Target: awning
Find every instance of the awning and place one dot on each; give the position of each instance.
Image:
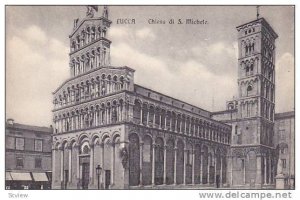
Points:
(8, 176)
(21, 176)
(40, 176)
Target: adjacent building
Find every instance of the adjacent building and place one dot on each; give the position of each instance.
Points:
(27, 156)
(284, 141)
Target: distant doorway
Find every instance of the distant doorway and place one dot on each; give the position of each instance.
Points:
(85, 175)
(107, 179)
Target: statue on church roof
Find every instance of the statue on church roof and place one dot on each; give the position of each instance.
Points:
(105, 12)
(90, 10)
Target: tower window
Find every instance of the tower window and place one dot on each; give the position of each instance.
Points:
(247, 70)
(249, 89)
(251, 69)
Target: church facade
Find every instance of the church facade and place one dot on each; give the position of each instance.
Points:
(110, 133)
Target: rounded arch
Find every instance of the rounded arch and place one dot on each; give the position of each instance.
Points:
(105, 137)
(95, 138)
(115, 135)
(82, 137)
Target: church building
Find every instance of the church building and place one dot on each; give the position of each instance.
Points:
(110, 133)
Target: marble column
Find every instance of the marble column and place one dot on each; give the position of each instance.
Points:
(265, 168)
(193, 166)
(112, 164)
(165, 165)
(175, 164)
(141, 163)
(91, 164)
(184, 166)
(201, 167)
(153, 164)
(70, 163)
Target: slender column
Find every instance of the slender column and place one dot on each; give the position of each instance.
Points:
(118, 113)
(215, 165)
(175, 124)
(184, 166)
(91, 163)
(185, 126)
(141, 162)
(61, 164)
(171, 123)
(180, 126)
(70, 164)
(153, 164)
(153, 125)
(208, 170)
(141, 116)
(165, 121)
(77, 162)
(175, 162)
(244, 171)
(270, 171)
(96, 118)
(231, 169)
(112, 164)
(148, 117)
(193, 166)
(201, 167)
(221, 172)
(54, 151)
(62, 125)
(265, 168)
(165, 164)
(102, 162)
(106, 115)
(160, 120)
(100, 117)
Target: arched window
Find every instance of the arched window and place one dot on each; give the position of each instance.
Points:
(137, 112)
(247, 71)
(249, 90)
(251, 69)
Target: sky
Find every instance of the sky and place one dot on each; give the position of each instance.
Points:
(193, 63)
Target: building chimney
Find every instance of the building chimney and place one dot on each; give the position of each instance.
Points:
(10, 121)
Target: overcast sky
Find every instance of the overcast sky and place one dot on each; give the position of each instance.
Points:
(194, 63)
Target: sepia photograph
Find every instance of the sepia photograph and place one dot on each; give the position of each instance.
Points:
(149, 97)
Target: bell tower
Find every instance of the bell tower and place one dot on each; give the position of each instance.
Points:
(254, 130)
(256, 81)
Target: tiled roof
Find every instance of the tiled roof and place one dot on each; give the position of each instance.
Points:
(285, 115)
(29, 127)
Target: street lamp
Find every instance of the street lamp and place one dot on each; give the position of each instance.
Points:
(98, 172)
